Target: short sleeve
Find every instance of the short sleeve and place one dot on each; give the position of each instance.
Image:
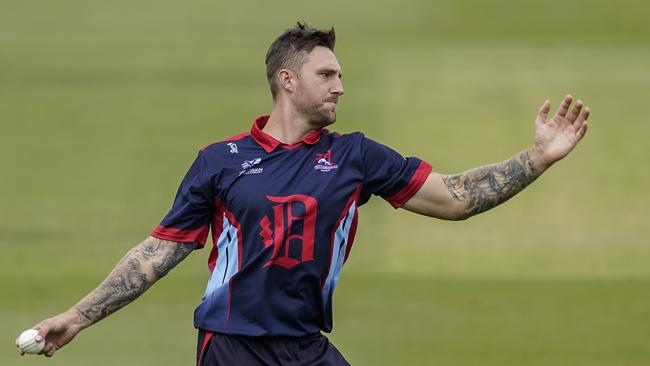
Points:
(389, 175)
(188, 221)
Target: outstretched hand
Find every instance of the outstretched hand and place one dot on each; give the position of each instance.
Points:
(556, 137)
(57, 332)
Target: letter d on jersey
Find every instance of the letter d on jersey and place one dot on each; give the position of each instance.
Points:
(280, 234)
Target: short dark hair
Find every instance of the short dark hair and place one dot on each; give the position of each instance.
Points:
(288, 51)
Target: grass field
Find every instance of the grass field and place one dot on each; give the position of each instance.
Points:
(103, 106)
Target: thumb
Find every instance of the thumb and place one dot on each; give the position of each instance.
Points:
(49, 330)
(44, 328)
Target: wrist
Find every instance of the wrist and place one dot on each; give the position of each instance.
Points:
(537, 156)
(77, 320)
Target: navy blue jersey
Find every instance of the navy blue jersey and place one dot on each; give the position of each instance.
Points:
(283, 218)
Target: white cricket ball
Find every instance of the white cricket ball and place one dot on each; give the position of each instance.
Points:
(27, 342)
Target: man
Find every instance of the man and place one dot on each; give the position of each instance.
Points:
(282, 202)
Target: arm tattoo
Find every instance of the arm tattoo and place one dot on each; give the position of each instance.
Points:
(488, 186)
(138, 270)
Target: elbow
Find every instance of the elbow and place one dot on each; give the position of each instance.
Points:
(455, 217)
(458, 214)
(461, 217)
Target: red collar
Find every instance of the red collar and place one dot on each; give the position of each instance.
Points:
(269, 143)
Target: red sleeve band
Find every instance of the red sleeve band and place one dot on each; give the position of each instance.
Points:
(199, 235)
(417, 180)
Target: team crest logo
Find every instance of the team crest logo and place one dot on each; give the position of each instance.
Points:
(324, 162)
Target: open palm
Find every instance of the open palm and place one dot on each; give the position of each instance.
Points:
(557, 136)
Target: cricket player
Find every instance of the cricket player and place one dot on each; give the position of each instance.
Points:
(281, 203)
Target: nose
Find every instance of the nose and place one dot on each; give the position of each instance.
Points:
(337, 88)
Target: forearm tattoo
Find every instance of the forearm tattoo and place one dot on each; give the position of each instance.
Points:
(138, 270)
(488, 186)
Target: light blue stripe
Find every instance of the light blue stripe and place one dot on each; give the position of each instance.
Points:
(233, 255)
(222, 273)
(341, 238)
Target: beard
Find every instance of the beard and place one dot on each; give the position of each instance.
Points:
(323, 116)
(319, 112)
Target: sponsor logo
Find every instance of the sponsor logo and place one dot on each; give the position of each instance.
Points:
(324, 162)
(233, 148)
(248, 165)
(253, 171)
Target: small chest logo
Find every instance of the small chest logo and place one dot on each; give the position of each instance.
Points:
(248, 165)
(233, 148)
(324, 162)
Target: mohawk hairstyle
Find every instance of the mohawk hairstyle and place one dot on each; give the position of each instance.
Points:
(288, 51)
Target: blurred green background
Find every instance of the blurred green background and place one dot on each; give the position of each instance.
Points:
(103, 106)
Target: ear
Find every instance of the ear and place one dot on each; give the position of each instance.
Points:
(286, 80)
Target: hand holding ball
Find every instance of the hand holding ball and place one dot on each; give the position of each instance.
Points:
(27, 342)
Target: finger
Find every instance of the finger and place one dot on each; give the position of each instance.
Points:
(587, 113)
(542, 114)
(564, 106)
(20, 352)
(48, 350)
(575, 112)
(583, 117)
(582, 130)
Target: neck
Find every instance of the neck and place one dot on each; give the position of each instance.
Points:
(287, 125)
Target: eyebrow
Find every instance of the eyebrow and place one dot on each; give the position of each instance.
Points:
(330, 71)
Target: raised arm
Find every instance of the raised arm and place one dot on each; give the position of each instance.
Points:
(457, 197)
(138, 270)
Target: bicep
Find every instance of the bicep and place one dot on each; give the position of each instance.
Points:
(435, 199)
(163, 255)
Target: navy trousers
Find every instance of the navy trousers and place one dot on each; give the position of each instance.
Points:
(214, 349)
